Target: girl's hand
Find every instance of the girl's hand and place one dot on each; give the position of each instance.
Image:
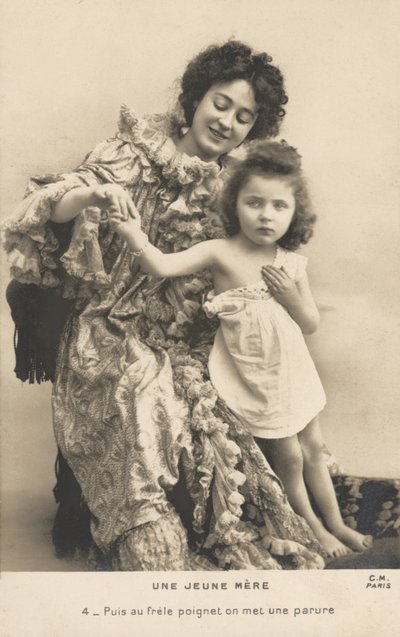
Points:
(296, 297)
(129, 229)
(114, 199)
(280, 285)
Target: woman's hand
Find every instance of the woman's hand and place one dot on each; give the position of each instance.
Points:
(115, 200)
(281, 286)
(108, 197)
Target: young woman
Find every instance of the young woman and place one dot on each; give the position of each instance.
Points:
(134, 413)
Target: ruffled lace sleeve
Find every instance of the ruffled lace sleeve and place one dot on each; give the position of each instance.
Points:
(142, 158)
(32, 241)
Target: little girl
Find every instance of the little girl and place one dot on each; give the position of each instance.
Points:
(259, 363)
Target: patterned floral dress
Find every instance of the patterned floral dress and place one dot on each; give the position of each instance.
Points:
(133, 407)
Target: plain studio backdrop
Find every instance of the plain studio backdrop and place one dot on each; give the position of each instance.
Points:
(66, 66)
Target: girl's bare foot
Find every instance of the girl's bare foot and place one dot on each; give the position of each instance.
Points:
(353, 539)
(331, 544)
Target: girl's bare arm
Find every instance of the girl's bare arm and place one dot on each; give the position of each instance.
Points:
(199, 257)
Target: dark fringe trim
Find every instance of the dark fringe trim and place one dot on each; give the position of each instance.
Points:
(28, 363)
(39, 315)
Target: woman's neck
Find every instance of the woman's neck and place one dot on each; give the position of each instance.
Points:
(188, 145)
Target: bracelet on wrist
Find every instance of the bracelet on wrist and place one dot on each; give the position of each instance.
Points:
(138, 253)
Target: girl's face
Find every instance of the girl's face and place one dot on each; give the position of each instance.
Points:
(265, 207)
(222, 120)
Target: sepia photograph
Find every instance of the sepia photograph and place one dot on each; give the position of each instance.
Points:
(199, 308)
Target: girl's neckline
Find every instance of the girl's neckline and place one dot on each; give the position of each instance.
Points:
(256, 284)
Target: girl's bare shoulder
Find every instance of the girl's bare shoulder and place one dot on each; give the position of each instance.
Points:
(224, 243)
(222, 251)
(217, 246)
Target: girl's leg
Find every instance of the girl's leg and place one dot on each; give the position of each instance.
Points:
(319, 482)
(285, 455)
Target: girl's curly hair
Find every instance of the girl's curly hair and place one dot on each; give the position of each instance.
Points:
(274, 160)
(233, 61)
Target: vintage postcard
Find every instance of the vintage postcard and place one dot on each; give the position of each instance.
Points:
(320, 78)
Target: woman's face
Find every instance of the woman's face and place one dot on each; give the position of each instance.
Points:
(222, 120)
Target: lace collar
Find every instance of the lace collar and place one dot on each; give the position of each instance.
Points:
(152, 134)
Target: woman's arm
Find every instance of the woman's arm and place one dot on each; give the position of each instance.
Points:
(106, 197)
(199, 257)
(296, 297)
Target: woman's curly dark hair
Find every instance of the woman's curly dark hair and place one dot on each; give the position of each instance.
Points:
(233, 61)
(275, 160)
